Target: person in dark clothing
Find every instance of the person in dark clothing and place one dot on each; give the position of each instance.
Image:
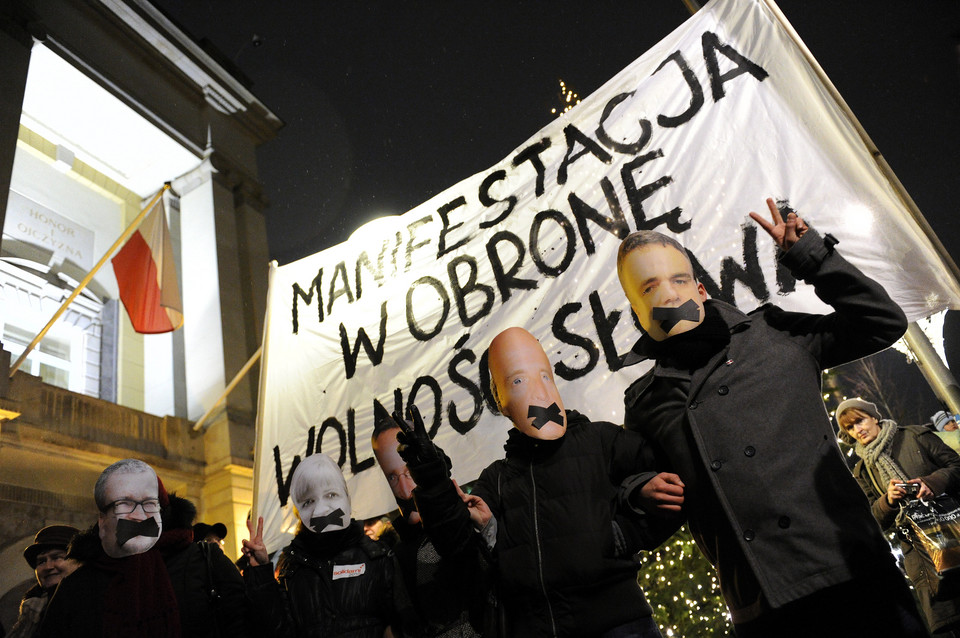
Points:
(891, 455)
(732, 406)
(47, 558)
(124, 589)
(210, 593)
(560, 563)
(335, 582)
(448, 594)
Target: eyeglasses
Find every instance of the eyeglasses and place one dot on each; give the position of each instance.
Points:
(394, 477)
(123, 506)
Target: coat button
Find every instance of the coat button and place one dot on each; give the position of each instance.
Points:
(748, 535)
(749, 450)
(693, 405)
(784, 522)
(722, 390)
(716, 465)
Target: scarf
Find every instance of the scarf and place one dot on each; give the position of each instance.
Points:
(139, 601)
(692, 349)
(876, 456)
(326, 545)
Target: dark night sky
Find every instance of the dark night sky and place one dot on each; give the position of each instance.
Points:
(389, 103)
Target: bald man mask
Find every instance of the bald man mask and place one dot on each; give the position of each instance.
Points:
(521, 378)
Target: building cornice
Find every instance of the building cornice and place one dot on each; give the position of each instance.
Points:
(220, 89)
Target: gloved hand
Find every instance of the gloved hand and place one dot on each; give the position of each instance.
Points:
(428, 464)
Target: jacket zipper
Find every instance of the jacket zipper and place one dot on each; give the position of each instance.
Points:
(536, 534)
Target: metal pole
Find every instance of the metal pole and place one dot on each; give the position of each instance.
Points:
(692, 6)
(933, 369)
(86, 280)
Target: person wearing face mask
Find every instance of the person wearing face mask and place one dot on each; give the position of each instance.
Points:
(892, 456)
(447, 592)
(334, 581)
(47, 557)
(561, 565)
(123, 588)
(732, 404)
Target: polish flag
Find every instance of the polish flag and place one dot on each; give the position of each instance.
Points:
(147, 277)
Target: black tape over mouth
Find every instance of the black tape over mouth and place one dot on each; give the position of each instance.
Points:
(542, 416)
(669, 317)
(320, 523)
(127, 529)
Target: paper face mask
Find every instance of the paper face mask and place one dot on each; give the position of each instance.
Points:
(397, 474)
(320, 494)
(523, 380)
(134, 531)
(658, 280)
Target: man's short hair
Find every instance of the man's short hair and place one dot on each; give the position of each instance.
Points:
(381, 425)
(642, 238)
(125, 466)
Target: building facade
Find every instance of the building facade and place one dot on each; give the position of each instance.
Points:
(101, 103)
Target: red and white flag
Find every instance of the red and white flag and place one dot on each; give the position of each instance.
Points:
(147, 276)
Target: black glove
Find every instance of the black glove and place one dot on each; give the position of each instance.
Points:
(428, 464)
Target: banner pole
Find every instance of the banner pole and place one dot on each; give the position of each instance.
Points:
(236, 379)
(258, 444)
(86, 280)
(938, 376)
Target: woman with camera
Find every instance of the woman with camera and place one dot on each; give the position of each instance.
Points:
(898, 463)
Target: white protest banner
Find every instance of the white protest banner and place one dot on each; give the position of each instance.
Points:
(687, 140)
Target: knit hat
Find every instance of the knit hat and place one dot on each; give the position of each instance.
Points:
(941, 418)
(860, 404)
(50, 537)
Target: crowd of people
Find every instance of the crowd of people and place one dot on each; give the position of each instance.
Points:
(725, 432)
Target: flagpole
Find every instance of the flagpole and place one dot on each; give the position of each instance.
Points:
(243, 372)
(938, 376)
(86, 280)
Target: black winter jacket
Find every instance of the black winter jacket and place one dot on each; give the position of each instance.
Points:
(446, 592)
(210, 592)
(770, 500)
(332, 585)
(557, 567)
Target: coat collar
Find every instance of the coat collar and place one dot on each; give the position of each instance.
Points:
(735, 320)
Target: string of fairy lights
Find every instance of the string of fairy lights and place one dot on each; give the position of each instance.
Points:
(683, 590)
(568, 99)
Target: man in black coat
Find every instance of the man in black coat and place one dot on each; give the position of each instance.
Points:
(732, 405)
(447, 594)
(124, 589)
(562, 565)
